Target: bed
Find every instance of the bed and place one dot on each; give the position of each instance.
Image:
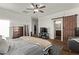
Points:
(23, 46)
(48, 48)
(27, 45)
(19, 47)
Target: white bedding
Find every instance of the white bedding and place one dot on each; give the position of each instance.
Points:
(27, 46)
(76, 39)
(20, 47)
(45, 44)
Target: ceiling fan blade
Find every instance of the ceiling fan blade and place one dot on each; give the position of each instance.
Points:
(36, 6)
(25, 11)
(29, 8)
(42, 7)
(41, 11)
(33, 4)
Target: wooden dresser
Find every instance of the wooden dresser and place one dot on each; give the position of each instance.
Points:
(17, 31)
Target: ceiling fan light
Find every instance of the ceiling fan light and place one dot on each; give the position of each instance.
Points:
(36, 10)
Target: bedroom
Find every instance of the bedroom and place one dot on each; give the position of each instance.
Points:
(20, 17)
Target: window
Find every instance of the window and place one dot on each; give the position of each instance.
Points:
(4, 28)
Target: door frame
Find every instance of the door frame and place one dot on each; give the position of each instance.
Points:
(61, 28)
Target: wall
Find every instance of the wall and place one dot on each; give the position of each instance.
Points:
(47, 22)
(16, 19)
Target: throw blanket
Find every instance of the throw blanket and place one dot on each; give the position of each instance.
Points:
(43, 43)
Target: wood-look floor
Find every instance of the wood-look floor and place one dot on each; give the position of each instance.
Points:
(65, 50)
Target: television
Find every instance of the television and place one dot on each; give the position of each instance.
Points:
(43, 29)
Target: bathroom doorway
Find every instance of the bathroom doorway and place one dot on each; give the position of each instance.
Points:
(58, 29)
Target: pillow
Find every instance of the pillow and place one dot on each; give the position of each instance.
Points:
(15, 43)
(4, 46)
(0, 37)
(55, 50)
(11, 44)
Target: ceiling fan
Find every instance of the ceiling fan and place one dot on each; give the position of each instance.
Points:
(36, 8)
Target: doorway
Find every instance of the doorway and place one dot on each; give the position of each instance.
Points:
(58, 29)
(34, 27)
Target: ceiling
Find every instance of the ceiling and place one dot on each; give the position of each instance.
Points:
(50, 7)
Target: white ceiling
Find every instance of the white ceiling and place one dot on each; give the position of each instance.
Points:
(50, 7)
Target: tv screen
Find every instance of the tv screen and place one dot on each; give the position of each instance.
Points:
(43, 29)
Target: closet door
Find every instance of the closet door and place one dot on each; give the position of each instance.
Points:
(69, 25)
